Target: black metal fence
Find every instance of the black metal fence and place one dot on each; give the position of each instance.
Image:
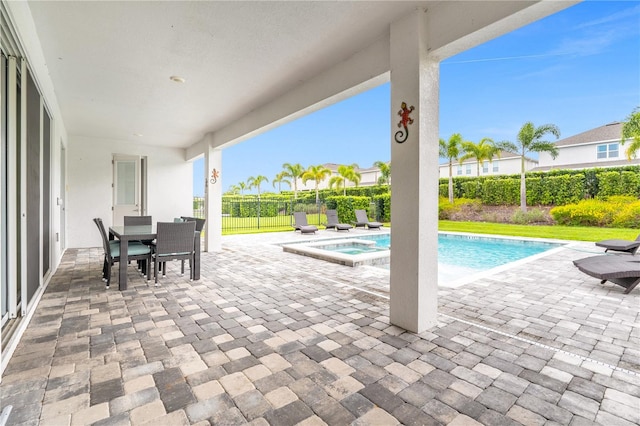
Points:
(250, 213)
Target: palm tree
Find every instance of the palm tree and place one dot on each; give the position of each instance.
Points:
(348, 173)
(281, 178)
(233, 190)
(631, 131)
(337, 181)
(486, 149)
(294, 171)
(317, 174)
(385, 172)
(254, 182)
(530, 140)
(242, 186)
(451, 150)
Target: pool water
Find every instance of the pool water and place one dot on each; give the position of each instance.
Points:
(354, 248)
(476, 253)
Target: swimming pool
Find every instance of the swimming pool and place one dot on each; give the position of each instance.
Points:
(476, 252)
(459, 256)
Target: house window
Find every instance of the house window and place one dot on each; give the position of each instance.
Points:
(459, 170)
(608, 150)
(496, 167)
(485, 167)
(468, 169)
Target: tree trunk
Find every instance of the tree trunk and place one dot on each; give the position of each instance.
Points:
(523, 189)
(450, 182)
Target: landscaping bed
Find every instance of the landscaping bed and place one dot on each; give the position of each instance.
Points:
(501, 214)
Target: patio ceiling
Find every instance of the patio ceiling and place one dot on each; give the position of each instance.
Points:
(111, 62)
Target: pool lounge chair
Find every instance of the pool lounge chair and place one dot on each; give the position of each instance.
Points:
(621, 270)
(302, 225)
(624, 246)
(334, 223)
(363, 220)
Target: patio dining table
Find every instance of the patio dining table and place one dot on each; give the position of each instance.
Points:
(143, 232)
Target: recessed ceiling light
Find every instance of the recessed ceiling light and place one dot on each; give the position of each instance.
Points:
(177, 79)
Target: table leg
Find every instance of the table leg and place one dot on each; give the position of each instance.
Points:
(196, 258)
(124, 262)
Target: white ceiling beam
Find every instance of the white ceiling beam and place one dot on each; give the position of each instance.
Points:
(363, 70)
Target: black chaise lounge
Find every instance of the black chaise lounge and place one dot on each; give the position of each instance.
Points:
(302, 225)
(621, 270)
(624, 246)
(363, 220)
(334, 223)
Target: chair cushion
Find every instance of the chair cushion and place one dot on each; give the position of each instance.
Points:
(135, 249)
(172, 254)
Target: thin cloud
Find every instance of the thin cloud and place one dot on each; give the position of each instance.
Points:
(597, 37)
(586, 46)
(613, 18)
(544, 72)
(504, 58)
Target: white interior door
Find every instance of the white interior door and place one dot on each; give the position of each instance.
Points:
(126, 187)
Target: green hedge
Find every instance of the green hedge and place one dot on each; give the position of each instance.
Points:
(383, 207)
(497, 192)
(555, 190)
(555, 187)
(248, 207)
(345, 206)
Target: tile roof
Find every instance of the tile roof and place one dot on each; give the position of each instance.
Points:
(608, 132)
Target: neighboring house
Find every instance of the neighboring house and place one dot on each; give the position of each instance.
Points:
(599, 147)
(506, 164)
(368, 177)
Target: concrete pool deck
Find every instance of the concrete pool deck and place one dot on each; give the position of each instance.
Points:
(269, 337)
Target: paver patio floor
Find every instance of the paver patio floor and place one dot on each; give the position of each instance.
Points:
(267, 337)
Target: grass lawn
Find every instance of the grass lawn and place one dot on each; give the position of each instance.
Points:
(577, 233)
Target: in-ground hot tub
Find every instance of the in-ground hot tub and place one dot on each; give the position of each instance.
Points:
(349, 252)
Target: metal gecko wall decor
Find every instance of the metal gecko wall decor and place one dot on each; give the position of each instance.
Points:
(214, 176)
(405, 120)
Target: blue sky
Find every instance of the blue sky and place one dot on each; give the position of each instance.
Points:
(578, 69)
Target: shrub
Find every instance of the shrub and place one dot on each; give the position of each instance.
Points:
(305, 207)
(628, 217)
(609, 183)
(598, 212)
(383, 207)
(472, 188)
(446, 210)
(529, 217)
(496, 192)
(345, 206)
(630, 183)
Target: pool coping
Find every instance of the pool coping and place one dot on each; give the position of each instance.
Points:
(309, 249)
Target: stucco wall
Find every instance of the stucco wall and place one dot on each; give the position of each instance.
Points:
(506, 166)
(577, 154)
(170, 185)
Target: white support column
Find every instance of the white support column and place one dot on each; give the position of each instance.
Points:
(414, 198)
(213, 198)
